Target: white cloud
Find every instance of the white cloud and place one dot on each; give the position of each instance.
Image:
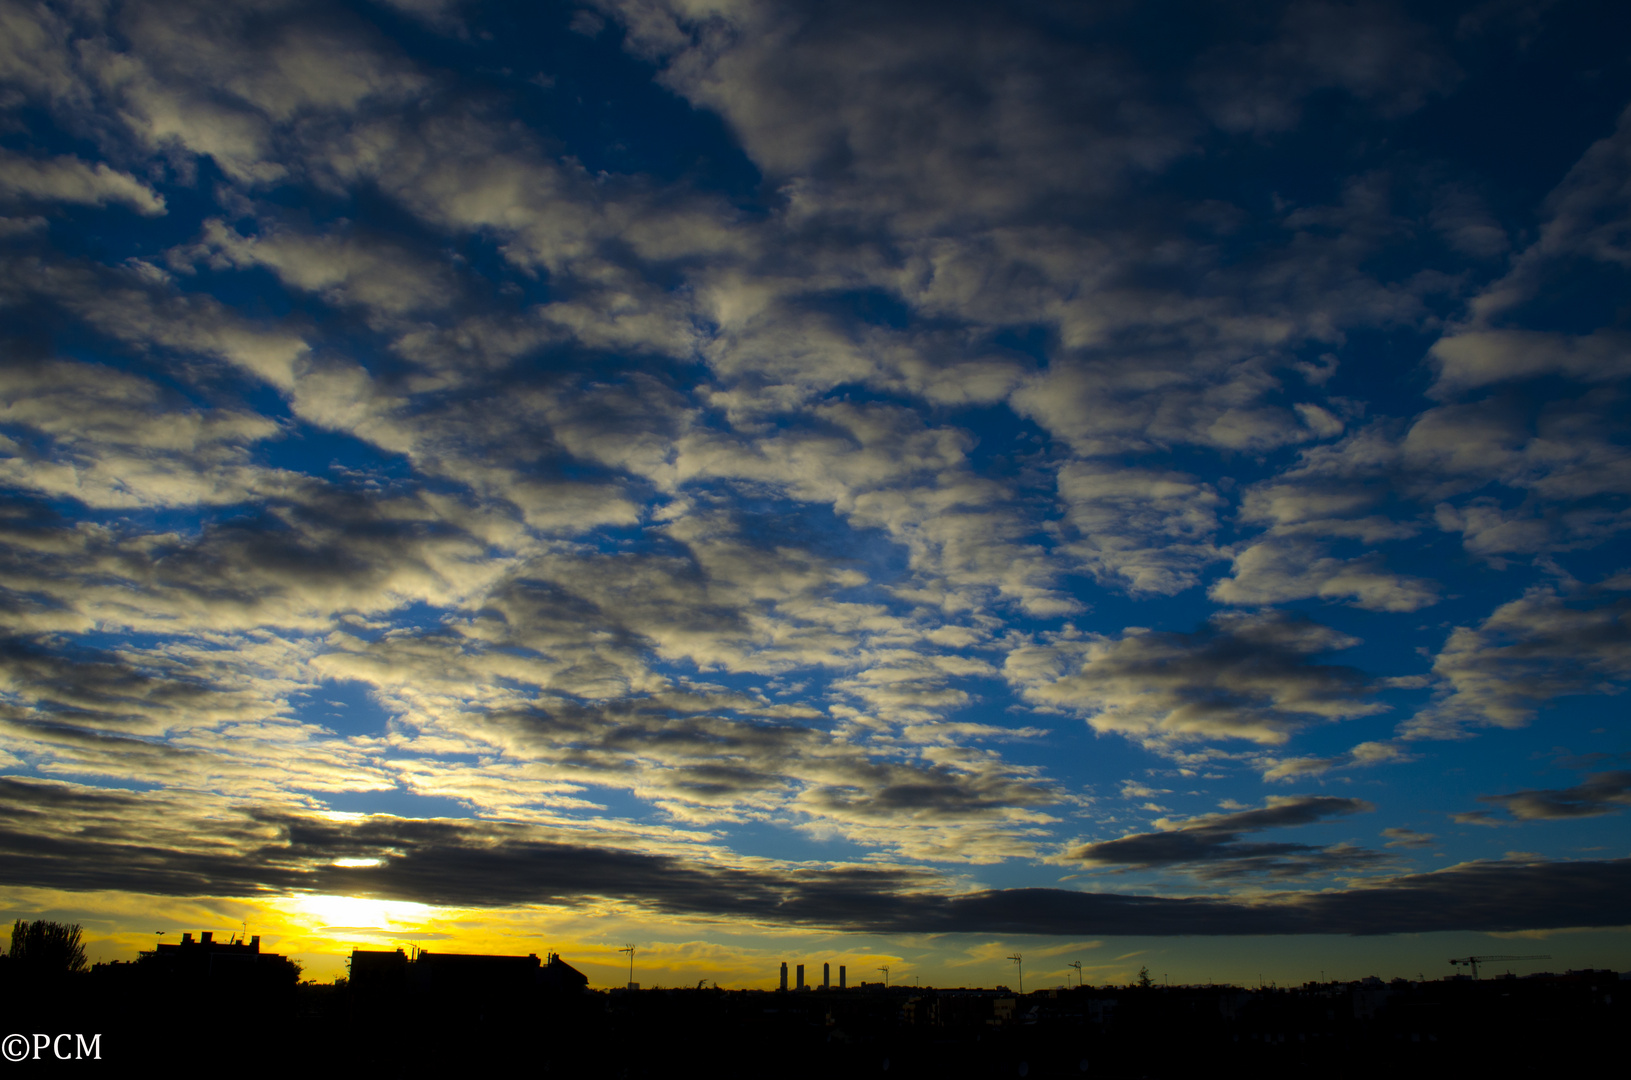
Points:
(1147, 530)
(1278, 569)
(1251, 677)
(1544, 645)
(68, 179)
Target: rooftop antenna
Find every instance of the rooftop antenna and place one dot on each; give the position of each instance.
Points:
(1077, 964)
(630, 950)
(1020, 960)
(885, 975)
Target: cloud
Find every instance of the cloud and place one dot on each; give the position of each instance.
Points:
(1144, 529)
(1585, 219)
(1600, 793)
(1106, 407)
(156, 844)
(361, 270)
(68, 179)
(1512, 474)
(1277, 570)
(111, 439)
(441, 15)
(1529, 651)
(1477, 358)
(1210, 846)
(1362, 755)
(1238, 677)
(1373, 51)
(699, 757)
(1401, 837)
(295, 563)
(1465, 222)
(875, 108)
(711, 488)
(223, 82)
(1332, 497)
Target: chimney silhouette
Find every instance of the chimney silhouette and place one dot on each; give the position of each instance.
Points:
(784, 974)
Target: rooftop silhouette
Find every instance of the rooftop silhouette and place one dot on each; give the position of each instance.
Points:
(428, 1011)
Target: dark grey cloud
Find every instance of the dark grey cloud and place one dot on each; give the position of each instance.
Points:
(1238, 676)
(1373, 51)
(1212, 846)
(59, 836)
(102, 691)
(1549, 643)
(1599, 793)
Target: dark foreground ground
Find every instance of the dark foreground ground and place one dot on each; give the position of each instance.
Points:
(1506, 1027)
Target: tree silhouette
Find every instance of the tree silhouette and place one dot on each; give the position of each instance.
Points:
(41, 949)
(1144, 979)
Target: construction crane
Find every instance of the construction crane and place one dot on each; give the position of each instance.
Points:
(1474, 961)
(885, 975)
(1077, 964)
(1020, 960)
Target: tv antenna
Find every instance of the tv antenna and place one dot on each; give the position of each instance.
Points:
(1020, 960)
(630, 950)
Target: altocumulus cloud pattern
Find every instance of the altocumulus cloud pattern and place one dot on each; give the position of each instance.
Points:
(1059, 468)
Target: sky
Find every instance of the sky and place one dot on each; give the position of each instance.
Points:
(893, 484)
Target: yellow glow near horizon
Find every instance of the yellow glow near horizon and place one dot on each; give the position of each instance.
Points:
(321, 930)
(355, 913)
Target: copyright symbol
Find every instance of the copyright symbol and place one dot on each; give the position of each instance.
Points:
(15, 1047)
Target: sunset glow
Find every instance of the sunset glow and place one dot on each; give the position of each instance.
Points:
(877, 484)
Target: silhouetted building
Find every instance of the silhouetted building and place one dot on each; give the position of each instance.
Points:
(455, 973)
(560, 977)
(207, 961)
(801, 977)
(461, 974)
(784, 975)
(372, 969)
(826, 976)
(495, 1015)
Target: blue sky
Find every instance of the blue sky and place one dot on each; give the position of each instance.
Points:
(867, 463)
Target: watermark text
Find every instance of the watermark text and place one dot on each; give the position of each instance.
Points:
(41, 1046)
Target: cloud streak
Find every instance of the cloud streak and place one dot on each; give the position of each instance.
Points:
(1212, 846)
(470, 864)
